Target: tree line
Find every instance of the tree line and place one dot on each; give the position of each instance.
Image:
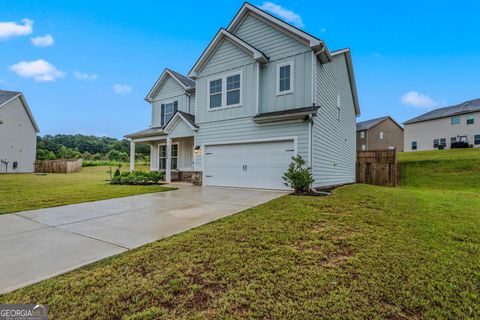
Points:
(67, 146)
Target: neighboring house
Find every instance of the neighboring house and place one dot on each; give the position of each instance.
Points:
(18, 133)
(264, 91)
(440, 128)
(379, 134)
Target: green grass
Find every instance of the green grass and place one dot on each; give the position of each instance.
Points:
(19, 192)
(440, 155)
(366, 252)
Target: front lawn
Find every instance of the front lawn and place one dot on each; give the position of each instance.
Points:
(366, 252)
(20, 192)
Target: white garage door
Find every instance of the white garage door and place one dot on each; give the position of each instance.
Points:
(248, 165)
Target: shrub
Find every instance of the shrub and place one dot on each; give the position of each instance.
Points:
(298, 177)
(117, 173)
(138, 178)
(101, 163)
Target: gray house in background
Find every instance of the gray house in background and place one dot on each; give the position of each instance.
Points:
(261, 92)
(18, 133)
(440, 128)
(379, 134)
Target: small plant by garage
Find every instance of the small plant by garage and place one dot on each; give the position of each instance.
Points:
(298, 176)
(138, 178)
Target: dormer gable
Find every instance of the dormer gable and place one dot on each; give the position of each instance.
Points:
(221, 36)
(188, 85)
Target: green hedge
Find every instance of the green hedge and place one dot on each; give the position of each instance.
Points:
(102, 163)
(138, 178)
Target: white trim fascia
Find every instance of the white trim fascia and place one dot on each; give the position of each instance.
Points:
(351, 76)
(257, 98)
(224, 90)
(161, 80)
(18, 95)
(173, 123)
(146, 139)
(292, 78)
(215, 43)
(314, 43)
(314, 78)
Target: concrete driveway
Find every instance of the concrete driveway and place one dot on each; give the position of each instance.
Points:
(39, 244)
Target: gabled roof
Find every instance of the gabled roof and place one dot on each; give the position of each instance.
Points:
(462, 108)
(7, 96)
(186, 83)
(351, 76)
(317, 45)
(368, 124)
(221, 35)
(188, 118)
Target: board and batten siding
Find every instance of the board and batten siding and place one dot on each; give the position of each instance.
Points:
(333, 140)
(243, 129)
(185, 153)
(168, 92)
(221, 64)
(18, 138)
(279, 48)
(191, 104)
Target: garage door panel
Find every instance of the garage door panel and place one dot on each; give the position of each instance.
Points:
(252, 165)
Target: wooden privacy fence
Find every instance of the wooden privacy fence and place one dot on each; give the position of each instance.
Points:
(378, 167)
(58, 166)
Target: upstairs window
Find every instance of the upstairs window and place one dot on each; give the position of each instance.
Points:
(455, 120)
(233, 90)
(168, 110)
(216, 93)
(470, 119)
(381, 135)
(285, 78)
(362, 134)
(414, 145)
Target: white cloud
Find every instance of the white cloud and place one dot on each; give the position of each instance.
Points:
(12, 29)
(84, 76)
(122, 89)
(283, 13)
(45, 41)
(40, 70)
(419, 100)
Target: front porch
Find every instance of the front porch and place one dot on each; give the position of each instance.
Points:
(172, 149)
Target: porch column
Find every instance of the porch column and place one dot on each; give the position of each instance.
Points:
(132, 155)
(168, 165)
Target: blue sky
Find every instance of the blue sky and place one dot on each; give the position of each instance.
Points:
(102, 57)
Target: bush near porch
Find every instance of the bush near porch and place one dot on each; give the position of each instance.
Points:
(366, 252)
(138, 178)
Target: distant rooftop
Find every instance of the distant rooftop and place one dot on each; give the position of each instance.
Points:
(365, 125)
(462, 108)
(7, 95)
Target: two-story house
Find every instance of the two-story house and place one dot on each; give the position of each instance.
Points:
(441, 127)
(261, 92)
(18, 134)
(379, 134)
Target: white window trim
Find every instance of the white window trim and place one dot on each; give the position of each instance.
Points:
(178, 154)
(381, 135)
(362, 134)
(277, 78)
(224, 91)
(164, 104)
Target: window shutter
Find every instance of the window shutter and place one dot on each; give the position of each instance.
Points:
(162, 110)
(175, 106)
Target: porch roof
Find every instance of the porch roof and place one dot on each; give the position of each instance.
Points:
(150, 132)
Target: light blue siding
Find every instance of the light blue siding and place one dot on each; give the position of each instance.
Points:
(334, 150)
(168, 92)
(245, 129)
(272, 42)
(191, 104)
(180, 130)
(227, 56)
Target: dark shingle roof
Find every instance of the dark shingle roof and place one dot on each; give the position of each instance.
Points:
(365, 125)
(147, 132)
(190, 118)
(7, 95)
(287, 112)
(186, 81)
(464, 107)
